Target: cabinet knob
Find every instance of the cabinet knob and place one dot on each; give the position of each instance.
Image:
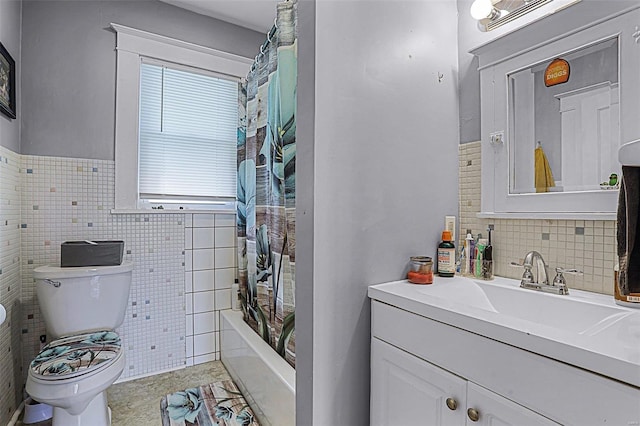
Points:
(473, 414)
(452, 404)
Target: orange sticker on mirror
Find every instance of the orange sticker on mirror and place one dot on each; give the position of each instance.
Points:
(556, 73)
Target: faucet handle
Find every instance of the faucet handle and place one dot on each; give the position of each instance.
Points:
(559, 280)
(527, 276)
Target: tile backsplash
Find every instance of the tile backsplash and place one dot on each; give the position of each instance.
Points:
(587, 245)
(184, 266)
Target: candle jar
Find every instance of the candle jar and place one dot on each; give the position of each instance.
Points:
(420, 270)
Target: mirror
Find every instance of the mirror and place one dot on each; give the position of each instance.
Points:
(564, 122)
(601, 60)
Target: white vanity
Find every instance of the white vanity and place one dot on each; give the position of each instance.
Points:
(462, 351)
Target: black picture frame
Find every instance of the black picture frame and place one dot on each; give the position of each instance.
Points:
(7, 83)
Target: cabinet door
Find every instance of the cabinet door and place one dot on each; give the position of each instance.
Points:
(406, 390)
(492, 409)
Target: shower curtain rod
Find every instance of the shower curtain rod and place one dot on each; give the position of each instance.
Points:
(264, 45)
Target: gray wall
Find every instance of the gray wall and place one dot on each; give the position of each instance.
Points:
(469, 77)
(305, 237)
(10, 12)
(69, 65)
(382, 139)
(469, 37)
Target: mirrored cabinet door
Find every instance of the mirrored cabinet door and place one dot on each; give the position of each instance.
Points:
(561, 109)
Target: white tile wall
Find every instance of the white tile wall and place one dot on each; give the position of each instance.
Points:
(225, 257)
(203, 301)
(70, 199)
(588, 245)
(204, 240)
(204, 280)
(203, 258)
(10, 284)
(178, 285)
(208, 281)
(224, 277)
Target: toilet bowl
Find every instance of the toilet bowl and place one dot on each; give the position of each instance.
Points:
(81, 308)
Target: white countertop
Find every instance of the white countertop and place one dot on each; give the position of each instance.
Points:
(587, 330)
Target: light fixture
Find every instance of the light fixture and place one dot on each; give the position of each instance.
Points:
(484, 9)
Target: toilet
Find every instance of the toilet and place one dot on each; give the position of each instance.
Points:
(81, 307)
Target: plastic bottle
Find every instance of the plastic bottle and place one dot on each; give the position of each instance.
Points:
(446, 256)
(487, 260)
(235, 296)
(482, 243)
(469, 250)
(472, 257)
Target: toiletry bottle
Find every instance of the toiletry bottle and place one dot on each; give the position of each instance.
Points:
(235, 296)
(487, 260)
(479, 256)
(476, 243)
(446, 256)
(469, 250)
(472, 256)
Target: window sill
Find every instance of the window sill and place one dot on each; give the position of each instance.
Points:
(173, 211)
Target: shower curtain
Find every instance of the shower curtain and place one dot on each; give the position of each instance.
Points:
(266, 187)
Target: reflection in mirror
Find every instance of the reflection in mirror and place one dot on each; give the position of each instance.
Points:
(565, 136)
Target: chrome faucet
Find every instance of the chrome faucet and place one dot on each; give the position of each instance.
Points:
(542, 269)
(540, 281)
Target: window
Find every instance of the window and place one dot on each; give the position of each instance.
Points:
(187, 137)
(176, 103)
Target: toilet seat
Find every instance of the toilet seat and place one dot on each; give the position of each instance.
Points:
(74, 356)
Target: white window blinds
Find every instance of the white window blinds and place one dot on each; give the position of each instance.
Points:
(187, 138)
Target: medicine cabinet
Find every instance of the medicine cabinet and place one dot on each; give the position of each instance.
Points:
(555, 107)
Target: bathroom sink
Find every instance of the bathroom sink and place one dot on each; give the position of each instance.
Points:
(584, 329)
(3, 314)
(573, 314)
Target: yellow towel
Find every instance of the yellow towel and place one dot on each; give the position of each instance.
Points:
(543, 176)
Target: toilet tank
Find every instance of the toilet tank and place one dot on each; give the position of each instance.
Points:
(82, 299)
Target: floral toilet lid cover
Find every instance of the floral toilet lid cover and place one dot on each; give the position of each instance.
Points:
(76, 355)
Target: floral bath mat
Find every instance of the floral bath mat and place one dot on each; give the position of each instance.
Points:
(219, 403)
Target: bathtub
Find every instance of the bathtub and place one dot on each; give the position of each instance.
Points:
(267, 381)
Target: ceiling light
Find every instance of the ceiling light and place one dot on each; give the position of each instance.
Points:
(484, 9)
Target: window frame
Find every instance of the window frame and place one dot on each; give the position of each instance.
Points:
(131, 46)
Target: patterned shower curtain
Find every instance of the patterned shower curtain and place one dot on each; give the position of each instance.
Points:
(266, 187)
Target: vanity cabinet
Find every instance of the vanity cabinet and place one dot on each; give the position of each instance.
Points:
(418, 363)
(407, 390)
